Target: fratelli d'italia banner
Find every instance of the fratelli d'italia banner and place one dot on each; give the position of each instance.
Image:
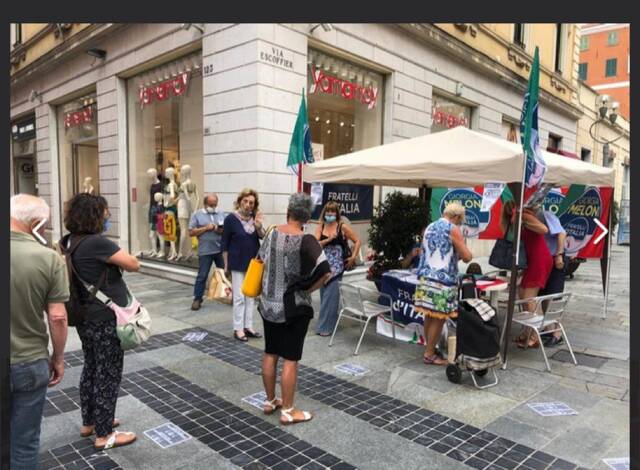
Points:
(577, 207)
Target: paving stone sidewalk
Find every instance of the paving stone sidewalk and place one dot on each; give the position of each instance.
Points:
(399, 414)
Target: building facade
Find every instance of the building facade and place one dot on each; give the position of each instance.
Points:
(618, 155)
(605, 60)
(106, 107)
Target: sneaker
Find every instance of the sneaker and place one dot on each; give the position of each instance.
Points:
(196, 304)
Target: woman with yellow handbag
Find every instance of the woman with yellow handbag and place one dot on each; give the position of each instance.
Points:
(294, 266)
(240, 243)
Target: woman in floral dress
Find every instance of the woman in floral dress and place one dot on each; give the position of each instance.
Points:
(436, 295)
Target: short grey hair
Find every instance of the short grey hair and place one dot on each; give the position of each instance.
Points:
(26, 208)
(208, 195)
(300, 207)
(454, 209)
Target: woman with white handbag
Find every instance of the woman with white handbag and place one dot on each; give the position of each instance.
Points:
(98, 261)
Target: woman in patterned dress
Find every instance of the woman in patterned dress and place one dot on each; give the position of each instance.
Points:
(294, 266)
(436, 295)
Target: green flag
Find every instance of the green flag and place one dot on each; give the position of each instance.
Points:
(300, 147)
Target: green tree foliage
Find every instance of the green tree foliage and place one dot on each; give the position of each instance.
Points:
(397, 224)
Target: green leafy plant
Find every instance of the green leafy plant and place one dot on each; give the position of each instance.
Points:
(615, 210)
(394, 227)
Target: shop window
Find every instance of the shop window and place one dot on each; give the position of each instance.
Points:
(345, 106)
(584, 43)
(78, 146)
(23, 153)
(582, 71)
(345, 115)
(165, 159)
(611, 68)
(447, 114)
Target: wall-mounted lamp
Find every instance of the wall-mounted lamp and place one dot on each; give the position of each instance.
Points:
(187, 26)
(35, 96)
(326, 26)
(606, 112)
(459, 88)
(97, 53)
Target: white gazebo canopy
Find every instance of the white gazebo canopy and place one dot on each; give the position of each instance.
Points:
(458, 157)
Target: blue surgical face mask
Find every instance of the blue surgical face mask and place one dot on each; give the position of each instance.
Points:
(107, 224)
(330, 218)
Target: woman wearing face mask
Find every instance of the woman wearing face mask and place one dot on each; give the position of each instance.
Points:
(436, 295)
(240, 243)
(333, 236)
(98, 261)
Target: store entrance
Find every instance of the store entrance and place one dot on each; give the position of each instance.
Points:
(84, 154)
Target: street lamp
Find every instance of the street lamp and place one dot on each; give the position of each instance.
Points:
(608, 112)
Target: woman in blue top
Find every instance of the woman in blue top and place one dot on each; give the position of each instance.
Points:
(240, 243)
(436, 295)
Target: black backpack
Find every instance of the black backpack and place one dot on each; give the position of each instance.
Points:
(78, 302)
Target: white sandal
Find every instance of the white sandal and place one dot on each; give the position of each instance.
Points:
(286, 414)
(111, 442)
(273, 405)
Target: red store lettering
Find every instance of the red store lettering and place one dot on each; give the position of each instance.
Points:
(81, 116)
(175, 86)
(348, 90)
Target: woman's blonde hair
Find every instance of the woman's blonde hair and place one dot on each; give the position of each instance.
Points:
(330, 206)
(247, 192)
(454, 209)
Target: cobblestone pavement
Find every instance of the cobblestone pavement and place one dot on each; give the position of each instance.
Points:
(399, 414)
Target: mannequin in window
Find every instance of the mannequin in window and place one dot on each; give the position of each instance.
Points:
(157, 235)
(155, 187)
(171, 195)
(88, 186)
(187, 204)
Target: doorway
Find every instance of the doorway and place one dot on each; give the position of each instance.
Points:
(84, 155)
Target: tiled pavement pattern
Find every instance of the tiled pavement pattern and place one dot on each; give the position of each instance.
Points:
(468, 444)
(244, 439)
(76, 358)
(247, 440)
(598, 390)
(476, 448)
(65, 400)
(78, 455)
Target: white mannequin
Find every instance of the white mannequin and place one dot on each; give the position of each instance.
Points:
(170, 200)
(88, 185)
(157, 197)
(187, 204)
(152, 173)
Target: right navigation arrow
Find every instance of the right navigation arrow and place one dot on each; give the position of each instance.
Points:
(605, 230)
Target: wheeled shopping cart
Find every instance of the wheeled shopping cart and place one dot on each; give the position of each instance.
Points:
(477, 343)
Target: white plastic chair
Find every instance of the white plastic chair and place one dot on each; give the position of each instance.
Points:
(363, 311)
(537, 319)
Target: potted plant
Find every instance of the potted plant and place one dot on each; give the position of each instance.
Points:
(394, 227)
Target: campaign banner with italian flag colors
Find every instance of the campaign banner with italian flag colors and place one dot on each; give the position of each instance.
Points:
(576, 207)
(581, 206)
(477, 224)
